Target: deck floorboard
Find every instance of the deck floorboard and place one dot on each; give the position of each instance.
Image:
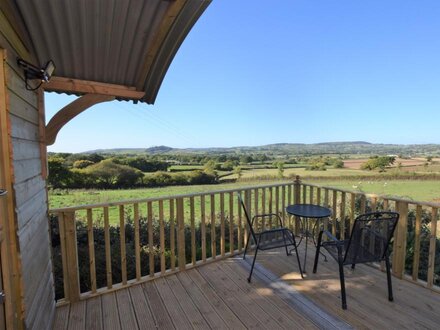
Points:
(94, 313)
(141, 307)
(218, 296)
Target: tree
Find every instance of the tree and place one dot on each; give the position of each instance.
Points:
(338, 163)
(378, 162)
(108, 174)
(59, 174)
(83, 163)
(238, 171)
(280, 167)
(210, 167)
(246, 159)
(228, 165)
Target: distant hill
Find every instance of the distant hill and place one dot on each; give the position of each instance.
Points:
(323, 148)
(158, 150)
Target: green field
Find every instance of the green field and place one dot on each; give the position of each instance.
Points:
(65, 198)
(416, 190)
(302, 172)
(393, 183)
(423, 190)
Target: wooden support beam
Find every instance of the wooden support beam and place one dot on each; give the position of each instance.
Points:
(70, 111)
(59, 84)
(172, 12)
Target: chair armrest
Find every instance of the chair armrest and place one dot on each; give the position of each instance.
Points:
(331, 237)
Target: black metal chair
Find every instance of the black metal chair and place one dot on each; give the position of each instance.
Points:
(368, 242)
(266, 239)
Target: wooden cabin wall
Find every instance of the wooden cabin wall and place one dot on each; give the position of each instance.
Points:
(28, 161)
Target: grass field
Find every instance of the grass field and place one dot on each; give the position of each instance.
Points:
(64, 198)
(426, 190)
(302, 172)
(391, 183)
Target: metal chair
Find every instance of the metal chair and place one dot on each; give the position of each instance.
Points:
(368, 242)
(266, 239)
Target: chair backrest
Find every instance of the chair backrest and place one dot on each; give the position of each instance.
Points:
(370, 237)
(248, 218)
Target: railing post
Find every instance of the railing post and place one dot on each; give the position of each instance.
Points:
(432, 242)
(180, 234)
(399, 247)
(297, 200)
(69, 252)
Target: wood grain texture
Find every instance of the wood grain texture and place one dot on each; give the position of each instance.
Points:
(61, 84)
(217, 296)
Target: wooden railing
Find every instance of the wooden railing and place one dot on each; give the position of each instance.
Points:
(148, 238)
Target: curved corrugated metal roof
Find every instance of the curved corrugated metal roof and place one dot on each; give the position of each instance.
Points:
(122, 42)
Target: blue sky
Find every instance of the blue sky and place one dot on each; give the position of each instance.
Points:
(295, 71)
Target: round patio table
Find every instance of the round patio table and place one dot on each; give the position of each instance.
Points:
(306, 212)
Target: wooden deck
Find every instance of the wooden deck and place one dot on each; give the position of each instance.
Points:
(217, 295)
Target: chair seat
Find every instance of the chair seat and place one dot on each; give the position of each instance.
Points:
(332, 247)
(272, 239)
(363, 255)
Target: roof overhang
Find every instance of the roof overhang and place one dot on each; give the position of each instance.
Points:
(114, 47)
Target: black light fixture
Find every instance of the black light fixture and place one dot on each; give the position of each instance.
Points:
(31, 72)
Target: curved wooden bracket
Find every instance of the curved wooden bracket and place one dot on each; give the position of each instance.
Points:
(70, 111)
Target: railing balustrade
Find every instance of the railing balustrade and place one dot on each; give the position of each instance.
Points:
(128, 242)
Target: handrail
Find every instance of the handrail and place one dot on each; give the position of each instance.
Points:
(371, 195)
(156, 199)
(153, 237)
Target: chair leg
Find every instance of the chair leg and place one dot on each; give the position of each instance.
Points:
(297, 258)
(285, 243)
(253, 263)
(318, 249)
(247, 244)
(390, 285)
(342, 279)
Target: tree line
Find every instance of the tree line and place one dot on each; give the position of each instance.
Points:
(82, 171)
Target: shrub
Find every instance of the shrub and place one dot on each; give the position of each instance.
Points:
(82, 163)
(378, 163)
(115, 250)
(143, 164)
(59, 175)
(108, 174)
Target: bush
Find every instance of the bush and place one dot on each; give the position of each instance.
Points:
(82, 163)
(318, 166)
(162, 179)
(378, 163)
(59, 175)
(108, 174)
(115, 250)
(143, 164)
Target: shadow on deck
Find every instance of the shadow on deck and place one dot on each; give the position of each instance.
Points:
(217, 295)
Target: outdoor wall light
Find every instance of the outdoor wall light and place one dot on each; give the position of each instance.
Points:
(31, 72)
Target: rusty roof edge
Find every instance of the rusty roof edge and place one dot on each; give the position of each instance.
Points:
(187, 17)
